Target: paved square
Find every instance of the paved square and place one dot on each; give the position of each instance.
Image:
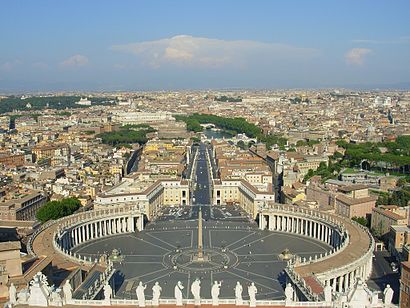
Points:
(237, 250)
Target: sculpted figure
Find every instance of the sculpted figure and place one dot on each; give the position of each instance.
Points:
(388, 295)
(156, 293)
(67, 291)
(328, 292)
(196, 291)
(215, 290)
(178, 293)
(12, 294)
(238, 294)
(289, 292)
(252, 291)
(107, 292)
(140, 294)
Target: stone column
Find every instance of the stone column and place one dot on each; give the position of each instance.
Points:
(141, 222)
(77, 235)
(315, 230)
(352, 278)
(340, 283)
(346, 282)
(334, 284)
(118, 225)
(310, 228)
(124, 224)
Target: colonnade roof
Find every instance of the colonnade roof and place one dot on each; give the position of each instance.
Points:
(43, 246)
(359, 243)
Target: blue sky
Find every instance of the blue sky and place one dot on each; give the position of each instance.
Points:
(143, 45)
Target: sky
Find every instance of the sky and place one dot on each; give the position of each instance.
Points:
(213, 44)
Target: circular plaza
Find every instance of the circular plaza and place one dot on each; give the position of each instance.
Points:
(234, 250)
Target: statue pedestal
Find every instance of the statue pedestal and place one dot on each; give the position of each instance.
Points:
(197, 258)
(38, 297)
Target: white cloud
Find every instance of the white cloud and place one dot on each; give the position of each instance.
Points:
(356, 56)
(75, 61)
(10, 65)
(185, 50)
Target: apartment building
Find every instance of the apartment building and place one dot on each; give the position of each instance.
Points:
(241, 192)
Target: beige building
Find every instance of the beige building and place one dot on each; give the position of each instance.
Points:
(385, 216)
(240, 192)
(347, 200)
(405, 285)
(147, 195)
(10, 264)
(399, 237)
(21, 204)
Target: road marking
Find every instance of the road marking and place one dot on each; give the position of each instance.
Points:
(147, 274)
(240, 238)
(257, 283)
(145, 241)
(148, 233)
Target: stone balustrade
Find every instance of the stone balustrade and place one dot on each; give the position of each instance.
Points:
(79, 228)
(352, 245)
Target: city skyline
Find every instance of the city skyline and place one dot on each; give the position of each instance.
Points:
(156, 45)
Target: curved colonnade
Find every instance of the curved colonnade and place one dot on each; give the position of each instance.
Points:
(79, 228)
(349, 259)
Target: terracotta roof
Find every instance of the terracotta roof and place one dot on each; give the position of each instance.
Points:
(353, 201)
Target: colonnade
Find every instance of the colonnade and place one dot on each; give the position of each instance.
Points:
(94, 229)
(312, 228)
(341, 276)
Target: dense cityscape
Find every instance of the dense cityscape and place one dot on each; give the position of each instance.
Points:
(259, 165)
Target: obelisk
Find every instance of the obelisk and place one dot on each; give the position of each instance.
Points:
(200, 256)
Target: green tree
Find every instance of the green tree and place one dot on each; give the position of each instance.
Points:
(361, 220)
(57, 209)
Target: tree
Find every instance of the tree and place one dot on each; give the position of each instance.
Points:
(57, 209)
(361, 220)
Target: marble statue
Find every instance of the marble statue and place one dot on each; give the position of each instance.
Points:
(68, 291)
(140, 294)
(252, 290)
(289, 293)
(22, 296)
(12, 294)
(156, 293)
(238, 294)
(215, 290)
(55, 298)
(39, 291)
(107, 293)
(196, 291)
(327, 291)
(388, 295)
(178, 293)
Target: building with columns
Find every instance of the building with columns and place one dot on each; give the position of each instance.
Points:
(148, 196)
(351, 256)
(242, 193)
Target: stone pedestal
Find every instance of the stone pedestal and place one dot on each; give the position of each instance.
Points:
(38, 296)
